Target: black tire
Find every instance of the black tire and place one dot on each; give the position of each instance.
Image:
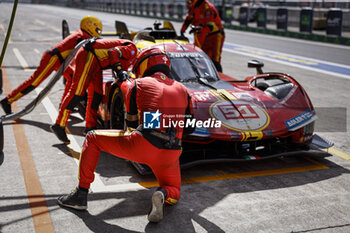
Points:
(117, 111)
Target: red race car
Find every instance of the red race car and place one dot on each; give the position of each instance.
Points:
(266, 115)
(263, 116)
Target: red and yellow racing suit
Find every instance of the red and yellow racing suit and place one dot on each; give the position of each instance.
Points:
(160, 149)
(50, 61)
(90, 61)
(210, 38)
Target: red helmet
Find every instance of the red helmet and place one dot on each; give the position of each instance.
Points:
(150, 61)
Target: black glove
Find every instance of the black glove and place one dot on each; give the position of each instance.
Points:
(195, 29)
(120, 73)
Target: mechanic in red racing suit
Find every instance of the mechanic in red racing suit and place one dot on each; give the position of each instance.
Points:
(210, 34)
(90, 26)
(90, 60)
(154, 94)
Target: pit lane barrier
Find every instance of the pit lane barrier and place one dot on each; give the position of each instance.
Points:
(294, 22)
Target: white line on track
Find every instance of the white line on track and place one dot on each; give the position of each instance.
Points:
(20, 58)
(22, 61)
(97, 185)
(288, 63)
(2, 28)
(300, 41)
(49, 26)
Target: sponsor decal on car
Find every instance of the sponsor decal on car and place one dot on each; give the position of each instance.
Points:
(179, 55)
(201, 132)
(300, 120)
(242, 116)
(201, 96)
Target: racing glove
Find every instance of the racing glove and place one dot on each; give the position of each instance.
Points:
(119, 72)
(195, 29)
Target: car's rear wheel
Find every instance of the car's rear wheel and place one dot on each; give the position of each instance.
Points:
(117, 111)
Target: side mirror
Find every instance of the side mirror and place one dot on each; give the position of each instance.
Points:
(65, 29)
(257, 65)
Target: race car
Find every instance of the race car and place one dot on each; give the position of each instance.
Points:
(263, 116)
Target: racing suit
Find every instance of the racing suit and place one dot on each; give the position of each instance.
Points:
(90, 61)
(210, 37)
(50, 61)
(160, 149)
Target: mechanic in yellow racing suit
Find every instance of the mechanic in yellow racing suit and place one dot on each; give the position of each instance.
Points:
(90, 26)
(90, 60)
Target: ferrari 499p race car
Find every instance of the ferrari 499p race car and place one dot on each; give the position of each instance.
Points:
(263, 116)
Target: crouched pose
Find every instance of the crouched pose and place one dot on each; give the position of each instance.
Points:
(152, 93)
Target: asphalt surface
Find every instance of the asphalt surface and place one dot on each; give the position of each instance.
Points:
(295, 194)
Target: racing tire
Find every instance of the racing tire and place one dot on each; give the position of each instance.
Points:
(117, 111)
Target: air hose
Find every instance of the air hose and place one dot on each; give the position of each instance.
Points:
(30, 107)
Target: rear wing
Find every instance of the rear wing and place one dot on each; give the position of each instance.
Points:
(121, 30)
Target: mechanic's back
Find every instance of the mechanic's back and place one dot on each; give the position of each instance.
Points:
(159, 92)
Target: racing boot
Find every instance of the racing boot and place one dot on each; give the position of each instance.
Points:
(6, 106)
(60, 132)
(77, 199)
(157, 210)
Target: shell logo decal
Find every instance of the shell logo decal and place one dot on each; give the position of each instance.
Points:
(250, 116)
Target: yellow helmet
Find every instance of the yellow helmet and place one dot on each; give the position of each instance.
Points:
(92, 25)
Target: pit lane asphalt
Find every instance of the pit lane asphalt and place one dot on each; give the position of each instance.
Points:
(281, 195)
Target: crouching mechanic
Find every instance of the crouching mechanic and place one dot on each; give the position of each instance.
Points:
(90, 26)
(160, 149)
(90, 61)
(210, 35)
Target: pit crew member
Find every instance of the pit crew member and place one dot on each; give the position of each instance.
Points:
(90, 60)
(158, 148)
(209, 34)
(90, 26)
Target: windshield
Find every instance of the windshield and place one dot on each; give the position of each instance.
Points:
(191, 66)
